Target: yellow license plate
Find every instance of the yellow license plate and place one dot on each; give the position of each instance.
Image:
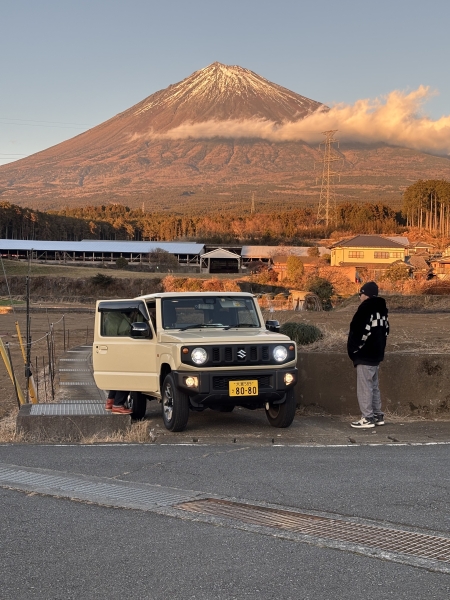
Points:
(243, 388)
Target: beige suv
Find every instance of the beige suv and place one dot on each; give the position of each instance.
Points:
(192, 351)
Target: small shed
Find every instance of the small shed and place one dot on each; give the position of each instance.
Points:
(220, 261)
(305, 300)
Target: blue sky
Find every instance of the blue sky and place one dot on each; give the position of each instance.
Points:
(70, 65)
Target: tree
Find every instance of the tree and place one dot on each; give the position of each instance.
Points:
(313, 252)
(323, 289)
(162, 260)
(426, 205)
(398, 272)
(294, 268)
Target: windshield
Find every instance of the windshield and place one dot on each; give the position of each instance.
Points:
(207, 311)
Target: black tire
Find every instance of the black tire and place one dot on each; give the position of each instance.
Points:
(138, 404)
(175, 405)
(282, 415)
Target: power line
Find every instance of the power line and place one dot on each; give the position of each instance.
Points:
(49, 122)
(44, 126)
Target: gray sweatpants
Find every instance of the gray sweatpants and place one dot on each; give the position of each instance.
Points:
(368, 391)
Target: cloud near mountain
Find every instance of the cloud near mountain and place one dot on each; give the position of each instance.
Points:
(396, 119)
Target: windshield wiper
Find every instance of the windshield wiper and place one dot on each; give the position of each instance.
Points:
(201, 325)
(245, 325)
(192, 326)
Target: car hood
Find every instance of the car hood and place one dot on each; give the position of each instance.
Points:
(223, 336)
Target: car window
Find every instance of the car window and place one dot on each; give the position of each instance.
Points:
(118, 323)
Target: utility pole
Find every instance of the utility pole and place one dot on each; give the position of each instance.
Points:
(28, 332)
(327, 212)
(253, 203)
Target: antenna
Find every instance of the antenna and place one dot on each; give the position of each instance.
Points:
(327, 212)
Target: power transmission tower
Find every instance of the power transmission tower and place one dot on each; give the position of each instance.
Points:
(327, 212)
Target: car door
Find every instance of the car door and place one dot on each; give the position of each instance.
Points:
(120, 361)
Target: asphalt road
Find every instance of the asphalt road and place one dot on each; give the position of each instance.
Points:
(54, 548)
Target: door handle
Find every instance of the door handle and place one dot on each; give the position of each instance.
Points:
(102, 349)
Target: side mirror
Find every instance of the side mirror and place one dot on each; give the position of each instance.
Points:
(140, 330)
(273, 326)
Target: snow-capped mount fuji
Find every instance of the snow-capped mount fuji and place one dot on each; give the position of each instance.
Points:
(221, 92)
(196, 142)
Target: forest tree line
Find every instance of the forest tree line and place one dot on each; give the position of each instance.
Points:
(426, 205)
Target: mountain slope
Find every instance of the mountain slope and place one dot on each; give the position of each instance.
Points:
(133, 157)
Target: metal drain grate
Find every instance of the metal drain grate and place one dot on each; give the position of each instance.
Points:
(83, 400)
(73, 359)
(76, 383)
(420, 545)
(120, 494)
(69, 409)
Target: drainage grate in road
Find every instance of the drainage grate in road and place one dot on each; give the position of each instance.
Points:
(75, 370)
(119, 494)
(419, 545)
(69, 409)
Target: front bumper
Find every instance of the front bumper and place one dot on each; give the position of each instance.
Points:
(213, 386)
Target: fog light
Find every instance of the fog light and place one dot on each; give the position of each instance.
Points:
(191, 381)
(288, 378)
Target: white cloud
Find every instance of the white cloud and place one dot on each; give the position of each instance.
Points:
(395, 119)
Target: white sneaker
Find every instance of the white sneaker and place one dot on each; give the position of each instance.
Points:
(363, 423)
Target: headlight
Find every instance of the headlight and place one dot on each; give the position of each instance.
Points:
(280, 353)
(199, 356)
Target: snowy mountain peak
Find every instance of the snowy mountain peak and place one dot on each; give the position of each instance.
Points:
(223, 92)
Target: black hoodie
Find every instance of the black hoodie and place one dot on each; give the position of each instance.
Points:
(368, 332)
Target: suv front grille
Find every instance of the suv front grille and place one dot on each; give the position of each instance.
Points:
(239, 355)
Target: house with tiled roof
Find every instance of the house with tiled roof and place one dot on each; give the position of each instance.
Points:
(369, 251)
(421, 248)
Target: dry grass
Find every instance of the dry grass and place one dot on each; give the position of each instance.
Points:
(139, 432)
(8, 429)
(333, 341)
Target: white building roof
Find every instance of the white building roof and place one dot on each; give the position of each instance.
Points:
(221, 253)
(106, 246)
(271, 251)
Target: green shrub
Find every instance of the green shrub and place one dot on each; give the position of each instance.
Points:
(301, 333)
(101, 280)
(121, 263)
(323, 289)
(313, 251)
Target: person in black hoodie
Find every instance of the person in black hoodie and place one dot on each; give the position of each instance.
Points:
(365, 346)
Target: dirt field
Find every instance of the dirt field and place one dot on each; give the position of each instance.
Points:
(410, 332)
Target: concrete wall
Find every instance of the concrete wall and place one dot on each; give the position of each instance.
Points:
(409, 383)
